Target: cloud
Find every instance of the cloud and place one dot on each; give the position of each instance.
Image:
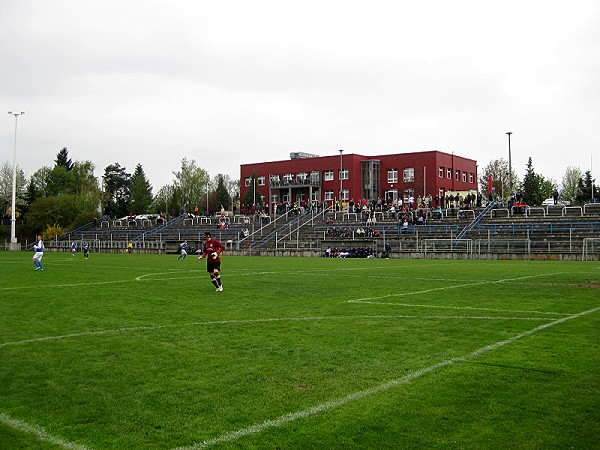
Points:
(230, 83)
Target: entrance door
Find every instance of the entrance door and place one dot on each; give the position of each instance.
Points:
(391, 196)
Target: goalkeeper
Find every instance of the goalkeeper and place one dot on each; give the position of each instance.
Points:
(211, 250)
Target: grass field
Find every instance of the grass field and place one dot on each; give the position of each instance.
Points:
(139, 351)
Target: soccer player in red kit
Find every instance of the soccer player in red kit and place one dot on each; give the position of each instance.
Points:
(211, 250)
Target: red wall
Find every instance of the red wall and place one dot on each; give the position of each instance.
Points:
(425, 164)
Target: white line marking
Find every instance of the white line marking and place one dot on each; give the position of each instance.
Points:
(68, 285)
(468, 308)
(282, 420)
(39, 432)
(252, 321)
(456, 286)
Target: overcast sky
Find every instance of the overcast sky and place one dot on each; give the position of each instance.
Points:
(235, 82)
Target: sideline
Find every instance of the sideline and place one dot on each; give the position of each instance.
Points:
(282, 420)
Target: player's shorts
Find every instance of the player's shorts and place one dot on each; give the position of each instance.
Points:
(212, 266)
(38, 256)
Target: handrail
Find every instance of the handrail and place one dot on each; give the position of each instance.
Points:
(82, 227)
(274, 233)
(308, 220)
(156, 229)
(475, 221)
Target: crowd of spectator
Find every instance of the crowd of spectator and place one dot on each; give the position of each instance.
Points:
(359, 232)
(349, 252)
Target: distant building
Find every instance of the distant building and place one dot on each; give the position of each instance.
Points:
(348, 177)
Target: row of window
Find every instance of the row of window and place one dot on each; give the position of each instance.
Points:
(408, 176)
(457, 174)
(391, 196)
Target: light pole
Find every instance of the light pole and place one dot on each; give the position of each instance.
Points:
(13, 236)
(510, 186)
(341, 182)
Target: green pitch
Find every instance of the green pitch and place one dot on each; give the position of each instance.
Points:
(139, 351)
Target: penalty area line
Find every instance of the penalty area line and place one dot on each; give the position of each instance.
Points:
(282, 420)
(455, 286)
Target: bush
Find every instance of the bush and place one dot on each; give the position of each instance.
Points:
(52, 232)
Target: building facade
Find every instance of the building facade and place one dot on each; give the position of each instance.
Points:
(347, 177)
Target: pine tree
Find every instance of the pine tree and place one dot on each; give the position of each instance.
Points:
(532, 186)
(63, 160)
(223, 197)
(141, 192)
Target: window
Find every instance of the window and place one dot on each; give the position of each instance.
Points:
(287, 177)
(302, 175)
(449, 174)
(409, 175)
(344, 174)
(329, 195)
(442, 194)
(329, 175)
(247, 181)
(471, 177)
(457, 175)
(441, 172)
(392, 175)
(345, 195)
(260, 181)
(464, 177)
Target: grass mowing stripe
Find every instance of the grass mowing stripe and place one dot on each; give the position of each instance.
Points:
(252, 321)
(258, 428)
(39, 432)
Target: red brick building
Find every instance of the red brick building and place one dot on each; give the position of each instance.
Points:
(407, 176)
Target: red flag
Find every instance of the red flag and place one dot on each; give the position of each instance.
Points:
(490, 185)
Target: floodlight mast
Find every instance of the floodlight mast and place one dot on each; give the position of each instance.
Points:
(510, 186)
(13, 235)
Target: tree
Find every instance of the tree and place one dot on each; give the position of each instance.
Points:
(86, 182)
(60, 210)
(60, 181)
(31, 194)
(117, 188)
(233, 188)
(86, 186)
(63, 160)
(39, 180)
(498, 170)
(6, 176)
(584, 189)
(222, 195)
(190, 186)
(570, 181)
(251, 195)
(163, 199)
(141, 192)
(534, 186)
